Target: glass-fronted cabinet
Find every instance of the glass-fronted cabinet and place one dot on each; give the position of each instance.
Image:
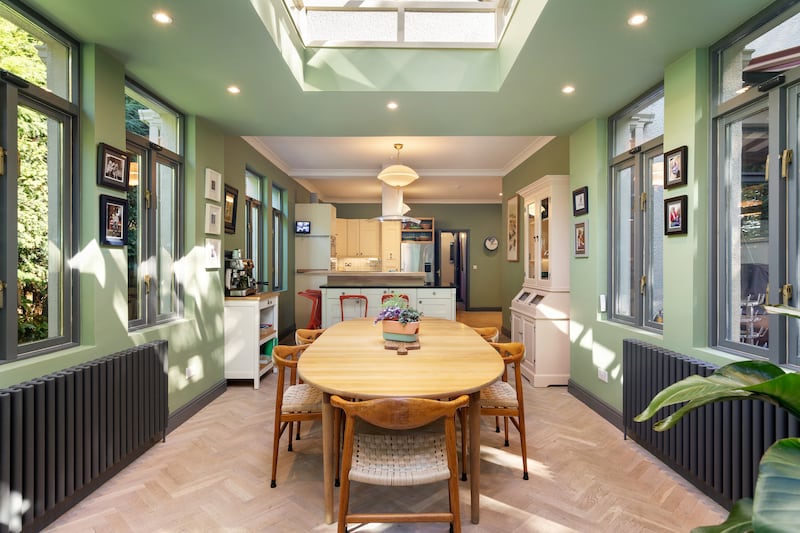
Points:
(547, 237)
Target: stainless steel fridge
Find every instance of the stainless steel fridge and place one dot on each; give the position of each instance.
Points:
(418, 257)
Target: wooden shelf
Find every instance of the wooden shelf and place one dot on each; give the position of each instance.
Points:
(417, 232)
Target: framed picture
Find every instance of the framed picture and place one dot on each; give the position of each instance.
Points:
(213, 185)
(580, 201)
(581, 239)
(675, 215)
(113, 220)
(675, 167)
(512, 252)
(213, 253)
(231, 201)
(213, 219)
(112, 167)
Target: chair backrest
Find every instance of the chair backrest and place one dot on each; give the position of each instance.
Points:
(400, 413)
(344, 297)
(389, 295)
(513, 353)
(490, 333)
(284, 357)
(307, 336)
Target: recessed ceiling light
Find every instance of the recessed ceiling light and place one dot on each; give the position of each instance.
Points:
(392, 105)
(637, 19)
(568, 89)
(162, 17)
(233, 89)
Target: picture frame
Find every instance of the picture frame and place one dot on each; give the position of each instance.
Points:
(675, 215)
(113, 167)
(213, 185)
(213, 253)
(231, 203)
(512, 250)
(113, 221)
(581, 239)
(675, 167)
(213, 219)
(580, 201)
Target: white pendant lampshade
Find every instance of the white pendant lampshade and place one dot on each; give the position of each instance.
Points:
(397, 175)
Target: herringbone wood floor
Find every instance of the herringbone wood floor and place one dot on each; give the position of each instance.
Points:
(213, 472)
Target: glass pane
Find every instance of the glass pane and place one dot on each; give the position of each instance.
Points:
(147, 117)
(532, 233)
(40, 252)
(655, 240)
(449, 27)
(351, 25)
(136, 217)
(745, 212)
(255, 240)
(639, 124)
(624, 253)
(544, 238)
(167, 245)
(33, 54)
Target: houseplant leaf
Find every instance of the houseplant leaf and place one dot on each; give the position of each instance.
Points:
(739, 520)
(776, 501)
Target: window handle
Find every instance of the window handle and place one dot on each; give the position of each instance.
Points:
(786, 293)
(147, 280)
(642, 284)
(2, 161)
(643, 202)
(786, 159)
(2, 294)
(766, 169)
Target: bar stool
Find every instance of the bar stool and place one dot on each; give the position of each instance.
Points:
(315, 319)
(344, 297)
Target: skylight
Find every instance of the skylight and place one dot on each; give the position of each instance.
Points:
(401, 23)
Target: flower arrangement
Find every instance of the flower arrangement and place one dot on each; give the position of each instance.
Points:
(397, 308)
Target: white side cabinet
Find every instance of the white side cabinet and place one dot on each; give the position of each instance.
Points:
(437, 303)
(250, 323)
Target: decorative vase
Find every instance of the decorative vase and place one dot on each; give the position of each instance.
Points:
(394, 330)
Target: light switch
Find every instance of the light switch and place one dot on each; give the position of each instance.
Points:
(602, 303)
(474, 267)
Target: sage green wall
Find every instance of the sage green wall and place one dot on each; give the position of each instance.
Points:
(595, 341)
(481, 220)
(551, 159)
(240, 156)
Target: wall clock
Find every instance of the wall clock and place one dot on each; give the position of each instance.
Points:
(490, 243)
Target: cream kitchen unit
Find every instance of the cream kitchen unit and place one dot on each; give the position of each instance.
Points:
(250, 323)
(358, 237)
(434, 302)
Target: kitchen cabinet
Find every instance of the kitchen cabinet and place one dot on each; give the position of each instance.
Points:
(390, 246)
(358, 237)
(421, 231)
(250, 327)
(545, 336)
(331, 312)
(437, 302)
(547, 232)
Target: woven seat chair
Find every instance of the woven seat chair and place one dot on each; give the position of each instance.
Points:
(502, 400)
(389, 295)
(407, 455)
(490, 333)
(307, 336)
(293, 403)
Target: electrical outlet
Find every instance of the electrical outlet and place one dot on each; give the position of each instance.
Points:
(189, 372)
(602, 375)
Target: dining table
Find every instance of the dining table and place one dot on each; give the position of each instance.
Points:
(350, 359)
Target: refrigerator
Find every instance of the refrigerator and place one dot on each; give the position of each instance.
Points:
(418, 257)
(312, 253)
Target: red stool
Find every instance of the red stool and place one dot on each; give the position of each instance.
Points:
(315, 295)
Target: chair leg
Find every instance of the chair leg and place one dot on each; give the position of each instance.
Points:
(505, 422)
(298, 431)
(275, 445)
(497, 424)
(291, 425)
(462, 419)
(522, 442)
(337, 428)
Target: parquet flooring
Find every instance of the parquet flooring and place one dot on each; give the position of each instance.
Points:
(213, 472)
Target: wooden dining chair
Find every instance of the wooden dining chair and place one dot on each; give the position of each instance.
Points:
(293, 403)
(388, 296)
(502, 400)
(407, 454)
(344, 297)
(489, 333)
(307, 336)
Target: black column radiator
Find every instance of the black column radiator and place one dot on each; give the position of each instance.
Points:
(716, 447)
(64, 434)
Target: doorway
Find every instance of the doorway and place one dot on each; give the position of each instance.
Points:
(452, 263)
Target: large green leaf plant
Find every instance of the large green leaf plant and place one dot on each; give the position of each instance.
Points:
(775, 506)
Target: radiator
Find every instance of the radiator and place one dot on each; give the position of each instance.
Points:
(717, 447)
(64, 434)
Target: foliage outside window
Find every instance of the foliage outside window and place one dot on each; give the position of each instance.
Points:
(39, 129)
(279, 237)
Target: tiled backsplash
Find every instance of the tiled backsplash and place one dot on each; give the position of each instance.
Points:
(357, 264)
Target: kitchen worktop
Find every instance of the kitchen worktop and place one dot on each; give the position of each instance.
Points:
(376, 279)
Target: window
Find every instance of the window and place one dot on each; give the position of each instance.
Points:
(756, 194)
(279, 237)
(636, 219)
(155, 198)
(254, 224)
(38, 201)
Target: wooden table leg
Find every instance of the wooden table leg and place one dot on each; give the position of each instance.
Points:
(327, 455)
(475, 454)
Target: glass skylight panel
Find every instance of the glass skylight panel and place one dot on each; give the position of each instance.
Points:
(449, 27)
(352, 25)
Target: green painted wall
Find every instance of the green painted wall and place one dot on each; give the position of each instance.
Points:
(551, 159)
(481, 220)
(596, 342)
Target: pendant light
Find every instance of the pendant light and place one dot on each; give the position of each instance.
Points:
(397, 175)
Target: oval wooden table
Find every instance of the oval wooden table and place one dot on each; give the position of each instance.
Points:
(350, 360)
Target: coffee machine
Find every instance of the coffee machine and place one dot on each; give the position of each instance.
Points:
(238, 274)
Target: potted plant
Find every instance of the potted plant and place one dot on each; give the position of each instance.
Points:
(400, 321)
(775, 505)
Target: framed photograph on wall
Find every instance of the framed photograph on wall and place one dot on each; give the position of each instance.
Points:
(581, 239)
(213, 185)
(113, 221)
(512, 251)
(675, 215)
(675, 167)
(112, 167)
(231, 201)
(213, 253)
(213, 219)
(580, 201)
